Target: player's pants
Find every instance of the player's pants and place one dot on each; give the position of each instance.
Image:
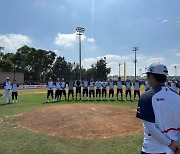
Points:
(103, 92)
(85, 91)
(136, 92)
(91, 92)
(98, 91)
(119, 91)
(6, 96)
(57, 94)
(78, 90)
(50, 92)
(71, 92)
(62, 92)
(128, 91)
(14, 94)
(111, 91)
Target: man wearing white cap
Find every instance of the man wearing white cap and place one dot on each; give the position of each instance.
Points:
(174, 85)
(7, 88)
(159, 110)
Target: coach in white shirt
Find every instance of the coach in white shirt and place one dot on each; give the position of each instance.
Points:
(7, 88)
(159, 108)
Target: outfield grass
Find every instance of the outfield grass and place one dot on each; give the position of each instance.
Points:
(17, 140)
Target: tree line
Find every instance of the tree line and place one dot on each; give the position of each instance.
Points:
(38, 65)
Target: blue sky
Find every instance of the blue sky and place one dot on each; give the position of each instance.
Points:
(112, 29)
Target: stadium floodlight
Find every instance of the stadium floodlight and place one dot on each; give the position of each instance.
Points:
(80, 31)
(175, 67)
(135, 60)
(119, 70)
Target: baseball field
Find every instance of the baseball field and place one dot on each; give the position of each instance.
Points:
(33, 126)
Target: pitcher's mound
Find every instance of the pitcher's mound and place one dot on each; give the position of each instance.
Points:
(82, 121)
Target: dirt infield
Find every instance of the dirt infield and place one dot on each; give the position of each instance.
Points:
(82, 121)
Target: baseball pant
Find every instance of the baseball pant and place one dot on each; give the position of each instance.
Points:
(6, 96)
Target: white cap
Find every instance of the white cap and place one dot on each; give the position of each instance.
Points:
(62, 79)
(157, 68)
(7, 78)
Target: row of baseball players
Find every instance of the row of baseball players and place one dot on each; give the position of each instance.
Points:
(10, 89)
(91, 87)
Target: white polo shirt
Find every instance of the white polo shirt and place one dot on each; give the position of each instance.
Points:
(98, 84)
(160, 105)
(119, 85)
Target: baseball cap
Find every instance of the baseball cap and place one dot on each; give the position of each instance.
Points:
(157, 68)
(7, 78)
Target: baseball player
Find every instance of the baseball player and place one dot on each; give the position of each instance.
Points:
(50, 86)
(91, 89)
(58, 87)
(136, 89)
(128, 88)
(174, 85)
(7, 88)
(159, 110)
(147, 87)
(119, 88)
(78, 85)
(71, 89)
(111, 88)
(63, 88)
(104, 84)
(85, 85)
(98, 89)
(178, 82)
(14, 88)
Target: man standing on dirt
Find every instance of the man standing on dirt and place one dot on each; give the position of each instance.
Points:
(119, 88)
(78, 85)
(57, 92)
(104, 84)
(14, 88)
(85, 88)
(136, 89)
(111, 89)
(71, 89)
(128, 89)
(159, 110)
(7, 88)
(63, 88)
(50, 86)
(98, 89)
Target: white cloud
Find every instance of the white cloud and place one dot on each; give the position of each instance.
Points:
(155, 60)
(14, 41)
(114, 60)
(178, 54)
(164, 21)
(69, 40)
(91, 40)
(86, 63)
(66, 40)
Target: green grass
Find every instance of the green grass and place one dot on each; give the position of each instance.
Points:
(15, 140)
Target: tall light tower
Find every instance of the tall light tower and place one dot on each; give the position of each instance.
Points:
(80, 31)
(119, 69)
(135, 60)
(1, 48)
(175, 67)
(140, 71)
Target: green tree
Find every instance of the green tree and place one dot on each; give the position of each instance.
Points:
(6, 65)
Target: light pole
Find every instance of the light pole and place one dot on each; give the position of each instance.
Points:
(80, 31)
(135, 60)
(119, 69)
(1, 48)
(175, 67)
(140, 71)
